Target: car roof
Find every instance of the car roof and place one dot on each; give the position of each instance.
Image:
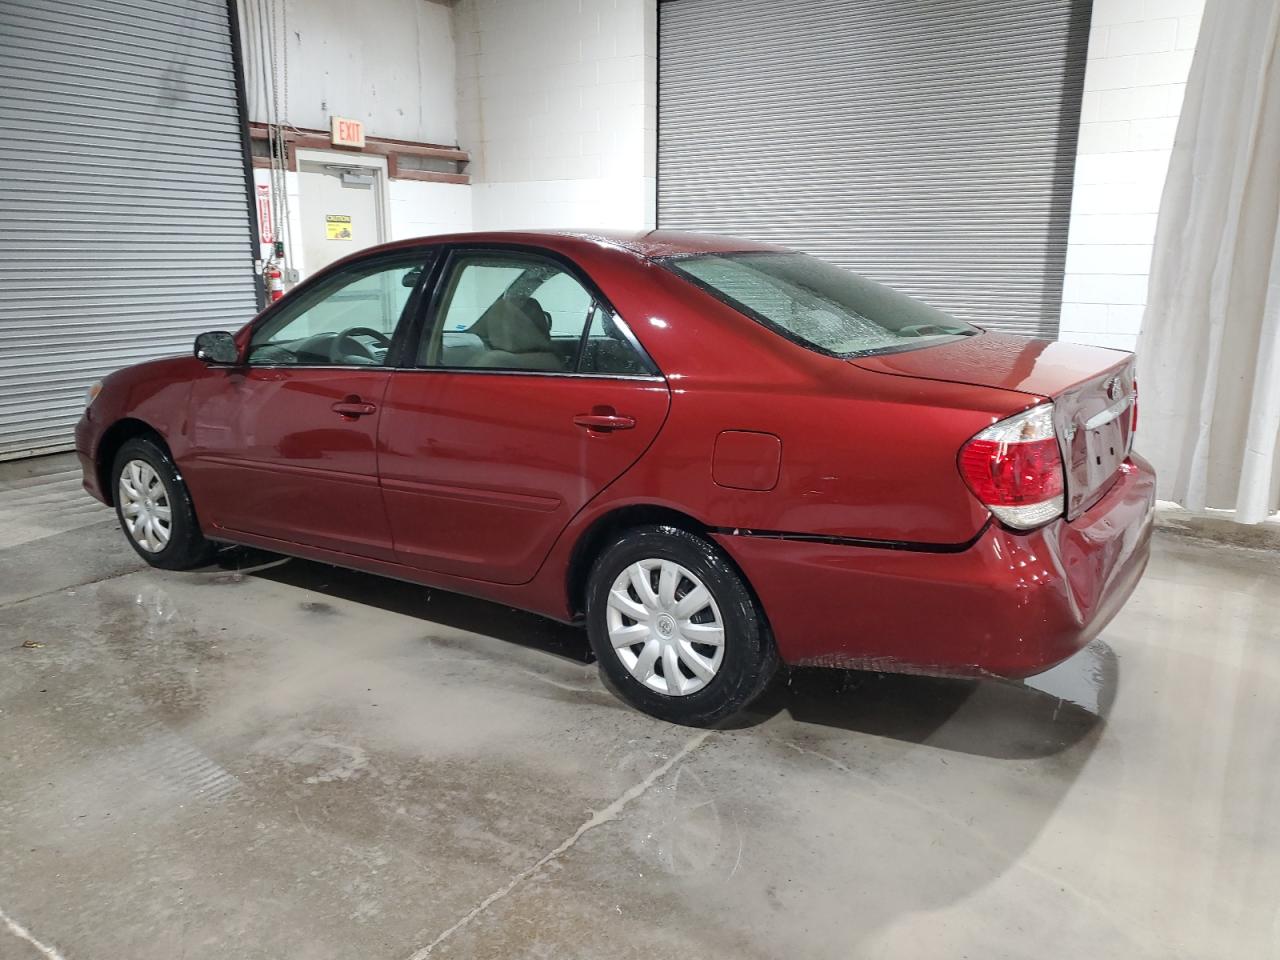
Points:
(643, 243)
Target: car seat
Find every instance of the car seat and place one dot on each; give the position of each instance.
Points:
(518, 331)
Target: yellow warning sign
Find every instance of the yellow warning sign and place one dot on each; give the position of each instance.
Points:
(337, 226)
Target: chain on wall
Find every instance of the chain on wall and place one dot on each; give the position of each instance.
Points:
(272, 52)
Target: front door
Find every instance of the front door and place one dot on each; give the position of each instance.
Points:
(530, 397)
(286, 446)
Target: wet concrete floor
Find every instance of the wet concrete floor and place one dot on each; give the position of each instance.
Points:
(277, 759)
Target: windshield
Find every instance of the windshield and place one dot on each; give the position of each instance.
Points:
(819, 304)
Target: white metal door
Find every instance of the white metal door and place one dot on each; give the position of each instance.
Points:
(343, 209)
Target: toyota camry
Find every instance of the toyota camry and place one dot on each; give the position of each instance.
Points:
(718, 456)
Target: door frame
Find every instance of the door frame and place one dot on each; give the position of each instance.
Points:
(381, 189)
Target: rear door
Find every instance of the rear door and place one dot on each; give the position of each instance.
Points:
(528, 396)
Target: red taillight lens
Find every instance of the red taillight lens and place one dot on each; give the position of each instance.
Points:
(1015, 468)
(1133, 424)
(1012, 474)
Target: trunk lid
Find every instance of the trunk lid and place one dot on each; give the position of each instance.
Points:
(1092, 389)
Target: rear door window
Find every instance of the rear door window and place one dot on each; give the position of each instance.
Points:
(514, 311)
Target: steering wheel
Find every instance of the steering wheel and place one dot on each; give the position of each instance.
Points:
(345, 345)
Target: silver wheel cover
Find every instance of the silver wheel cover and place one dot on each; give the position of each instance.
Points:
(665, 627)
(144, 504)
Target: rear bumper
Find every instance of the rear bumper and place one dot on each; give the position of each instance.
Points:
(1012, 604)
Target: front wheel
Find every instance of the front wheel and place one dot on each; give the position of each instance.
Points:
(675, 628)
(155, 510)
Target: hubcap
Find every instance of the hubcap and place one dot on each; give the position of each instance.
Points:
(665, 627)
(144, 503)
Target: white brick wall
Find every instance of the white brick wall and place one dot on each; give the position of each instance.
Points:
(419, 209)
(1139, 55)
(557, 104)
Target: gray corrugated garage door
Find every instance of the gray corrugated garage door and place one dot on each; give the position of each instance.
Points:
(928, 145)
(125, 228)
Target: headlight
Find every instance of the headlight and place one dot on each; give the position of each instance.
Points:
(92, 393)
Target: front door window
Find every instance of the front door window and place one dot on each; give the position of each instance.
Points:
(346, 321)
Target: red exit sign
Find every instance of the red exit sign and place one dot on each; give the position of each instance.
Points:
(344, 132)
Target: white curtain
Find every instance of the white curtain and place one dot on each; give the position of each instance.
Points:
(1209, 350)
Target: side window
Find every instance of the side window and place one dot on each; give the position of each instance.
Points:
(608, 347)
(507, 311)
(347, 321)
(566, 302)
(475, 290)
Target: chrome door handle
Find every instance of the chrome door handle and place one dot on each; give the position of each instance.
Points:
(604, 422)
(353, 408)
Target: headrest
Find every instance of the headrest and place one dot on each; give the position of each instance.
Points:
(519, 325)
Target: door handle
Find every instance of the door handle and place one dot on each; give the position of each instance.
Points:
(353, 407)
(604, 422)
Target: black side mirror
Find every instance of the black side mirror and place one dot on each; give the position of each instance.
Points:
(218, 347)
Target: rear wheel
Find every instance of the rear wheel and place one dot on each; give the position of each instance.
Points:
(675, 628)
(154, 508)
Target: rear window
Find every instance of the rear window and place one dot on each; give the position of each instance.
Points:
(818, 304)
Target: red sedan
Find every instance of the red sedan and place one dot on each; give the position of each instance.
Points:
(718, 455)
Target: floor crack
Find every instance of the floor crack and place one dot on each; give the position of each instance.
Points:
(598, 818)
(22, 933)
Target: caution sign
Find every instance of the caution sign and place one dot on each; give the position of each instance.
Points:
(337, 226)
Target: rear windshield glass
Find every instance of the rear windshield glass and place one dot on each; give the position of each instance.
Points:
(819, 304)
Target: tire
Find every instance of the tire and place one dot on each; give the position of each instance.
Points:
(172, 542)
(674, 628)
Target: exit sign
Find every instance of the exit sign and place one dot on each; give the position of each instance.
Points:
(346, 133)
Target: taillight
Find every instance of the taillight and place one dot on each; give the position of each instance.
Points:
(1015, 468)
(1133, 424)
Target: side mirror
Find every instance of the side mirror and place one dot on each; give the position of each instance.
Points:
(217, 347)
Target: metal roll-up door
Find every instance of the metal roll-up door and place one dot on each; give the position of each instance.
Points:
(927, 145)
(125, 227)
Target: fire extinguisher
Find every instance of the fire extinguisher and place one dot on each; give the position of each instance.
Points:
(275, 280)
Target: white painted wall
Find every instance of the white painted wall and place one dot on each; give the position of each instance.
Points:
(419, 209)
(1139, 56)
(389, 63)
(557, 102)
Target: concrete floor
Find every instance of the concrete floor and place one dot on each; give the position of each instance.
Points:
(277, 759)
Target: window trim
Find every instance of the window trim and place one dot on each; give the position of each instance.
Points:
(427, 318)
(430, 257)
